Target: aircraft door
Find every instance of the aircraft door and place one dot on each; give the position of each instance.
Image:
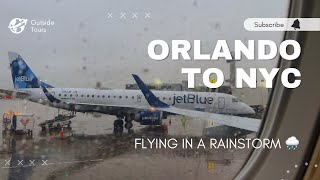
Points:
(221, 102)
(139, 98)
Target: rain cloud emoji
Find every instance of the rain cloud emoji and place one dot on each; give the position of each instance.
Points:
(292, 143)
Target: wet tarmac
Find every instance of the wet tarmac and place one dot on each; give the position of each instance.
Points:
(91, 150)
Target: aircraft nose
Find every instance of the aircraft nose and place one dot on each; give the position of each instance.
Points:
(250, 110)
(246, 109)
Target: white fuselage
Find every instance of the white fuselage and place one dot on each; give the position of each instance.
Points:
(104, 100)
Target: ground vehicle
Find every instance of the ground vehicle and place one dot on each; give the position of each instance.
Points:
(59, 121)
(18, 122)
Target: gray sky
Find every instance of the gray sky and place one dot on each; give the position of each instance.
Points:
(113, 49)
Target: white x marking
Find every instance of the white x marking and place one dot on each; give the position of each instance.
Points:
(44, 162)
(110, 15)
(134, 15)
(20, 162)
(7, 162)
(123, 15)
(147, 15)
(32, 162)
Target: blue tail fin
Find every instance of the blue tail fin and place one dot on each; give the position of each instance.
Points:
(150, 97)
(49, 96)
(22, 75)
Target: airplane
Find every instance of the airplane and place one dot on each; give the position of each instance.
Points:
(126, 105)
(250, 124)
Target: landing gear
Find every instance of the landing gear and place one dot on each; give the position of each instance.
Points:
(118, 124)
(128, 125)
(128, 119)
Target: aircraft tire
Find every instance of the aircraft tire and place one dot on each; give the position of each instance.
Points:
(118, 124)
(128, 125)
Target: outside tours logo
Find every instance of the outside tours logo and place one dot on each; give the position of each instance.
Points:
(17, 25)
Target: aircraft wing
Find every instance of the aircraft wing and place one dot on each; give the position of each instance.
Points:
(250, 124)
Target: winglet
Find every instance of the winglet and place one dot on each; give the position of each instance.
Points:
(150, 97)
(49, 96)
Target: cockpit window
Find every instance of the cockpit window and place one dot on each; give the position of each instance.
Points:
(235, 100)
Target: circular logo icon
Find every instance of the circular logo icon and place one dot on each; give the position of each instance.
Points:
(17, 25)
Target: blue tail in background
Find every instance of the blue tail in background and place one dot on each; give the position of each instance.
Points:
(150, 97)
(22, 75)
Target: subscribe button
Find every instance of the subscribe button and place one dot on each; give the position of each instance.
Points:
(282, 24)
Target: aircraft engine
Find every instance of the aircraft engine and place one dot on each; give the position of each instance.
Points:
(149, 117)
